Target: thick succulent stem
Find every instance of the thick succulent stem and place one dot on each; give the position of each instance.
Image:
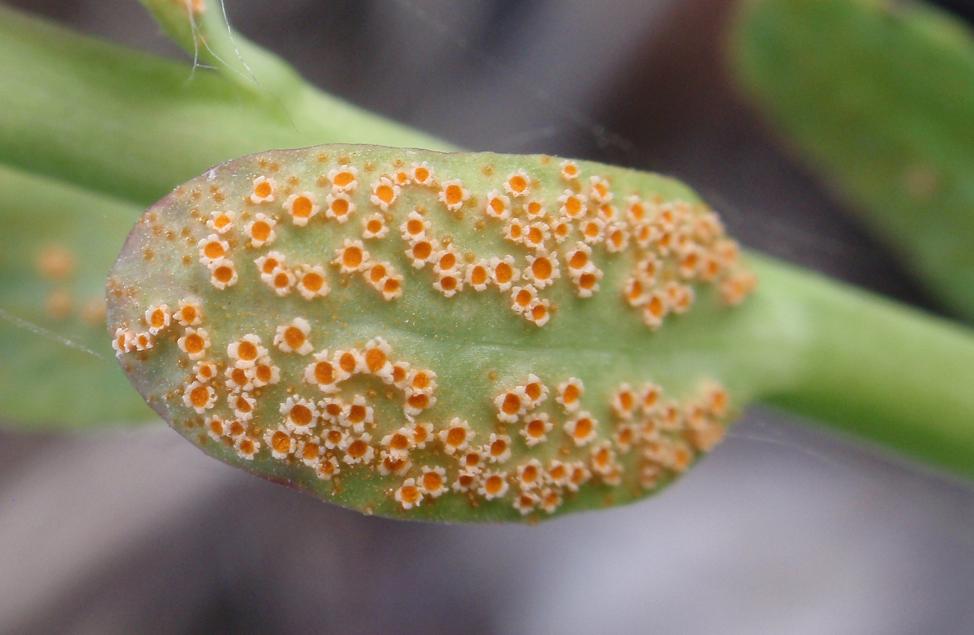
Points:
(138, 125)
(202, 30)
(133, 125)
(884, 373)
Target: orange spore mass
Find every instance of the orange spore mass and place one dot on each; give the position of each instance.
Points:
(454, 194)
(511, 404)
(194, 343)
(260, 230)
(223, 274)
(301, 207)
(247, 351)
(281, 441)
(432, 481)
(313, 282)
(294, 337)
(324, 373)
(456, 436)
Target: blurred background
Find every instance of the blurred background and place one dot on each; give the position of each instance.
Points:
(783, 530)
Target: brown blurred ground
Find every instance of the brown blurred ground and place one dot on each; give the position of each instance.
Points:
(782, 530)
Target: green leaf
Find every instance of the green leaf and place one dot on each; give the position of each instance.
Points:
(637, 321)
(878, 97)
(56, 247)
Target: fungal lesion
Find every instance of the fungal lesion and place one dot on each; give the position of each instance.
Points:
(559, 230)
(55, 272)
(544, 448)
(278, 397)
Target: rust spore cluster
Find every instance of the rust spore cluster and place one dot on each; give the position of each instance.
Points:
(282, 395)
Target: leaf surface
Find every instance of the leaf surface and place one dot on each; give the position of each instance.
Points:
(56, 248)
(435, 336)
(883, 112)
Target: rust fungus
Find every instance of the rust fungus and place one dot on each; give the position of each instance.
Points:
(271, 336)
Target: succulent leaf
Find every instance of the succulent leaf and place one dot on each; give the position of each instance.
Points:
(434, 336)
(56, 247)
(878, 96)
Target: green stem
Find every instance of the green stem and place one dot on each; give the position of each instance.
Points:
(882, 372)
(205, 34)
(133, 125)
(137, 125)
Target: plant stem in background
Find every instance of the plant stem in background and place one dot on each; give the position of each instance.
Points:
(133, 125)
(872, 368)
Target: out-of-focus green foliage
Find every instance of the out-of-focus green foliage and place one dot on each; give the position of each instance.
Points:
(56, 247)
(139, 124)
(878, 96)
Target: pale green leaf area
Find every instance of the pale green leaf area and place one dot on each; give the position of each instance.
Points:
(56, 248)
(878, 97)
(475, 343)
